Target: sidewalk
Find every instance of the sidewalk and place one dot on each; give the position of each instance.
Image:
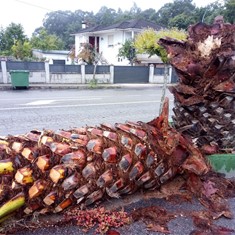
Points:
(84, 86)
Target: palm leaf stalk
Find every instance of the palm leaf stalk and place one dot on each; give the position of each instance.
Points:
(48, 171)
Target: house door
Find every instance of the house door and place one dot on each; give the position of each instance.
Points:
(95, 42)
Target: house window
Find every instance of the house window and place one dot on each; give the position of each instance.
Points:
(110, 40)
(128, 36)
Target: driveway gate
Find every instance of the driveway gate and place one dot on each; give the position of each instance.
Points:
(131, 74)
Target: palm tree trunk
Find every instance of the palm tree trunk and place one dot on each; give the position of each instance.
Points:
(205, 94)
(49, 171)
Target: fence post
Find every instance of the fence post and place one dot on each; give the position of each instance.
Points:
(170, 75)
(47, 71)
(111, 69)
(151, 73)
(4, 71)
(83, 73)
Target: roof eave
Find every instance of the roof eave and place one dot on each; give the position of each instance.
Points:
(108, 31)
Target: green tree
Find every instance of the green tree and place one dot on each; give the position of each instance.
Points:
(122, 15)
(135, 11)
(171, 10)
(105, 16)
(45, 41)
(57, 23)
(208, 13)
(128, 51)
(87, 54)
(147, 42)
(3, 41)
(149, 14)
(181, 21)
(10, 35)
(22, 50)
(64, 23)
(229, 12)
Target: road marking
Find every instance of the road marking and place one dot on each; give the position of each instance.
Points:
(45, 102)
(73, 98)
(40, 102)
(56, 98)
(82, 105)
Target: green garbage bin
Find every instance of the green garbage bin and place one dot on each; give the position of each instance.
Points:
(223, 163)
(19, 78)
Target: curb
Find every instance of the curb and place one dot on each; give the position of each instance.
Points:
(81, 86)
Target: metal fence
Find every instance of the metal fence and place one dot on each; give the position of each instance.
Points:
(65, 68)
(160, 71)
(100, 69)
(131, 74)
(121, 74)
(21, 65)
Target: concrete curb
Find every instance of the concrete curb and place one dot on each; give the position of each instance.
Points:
(81, 86)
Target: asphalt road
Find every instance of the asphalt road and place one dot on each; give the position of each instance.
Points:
(24, 110)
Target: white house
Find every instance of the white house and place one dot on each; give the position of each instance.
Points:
(108, 39)
(53, 56)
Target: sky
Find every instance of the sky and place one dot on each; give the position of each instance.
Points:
(30, 13)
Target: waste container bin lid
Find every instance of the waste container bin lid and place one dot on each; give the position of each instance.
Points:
(24, 71)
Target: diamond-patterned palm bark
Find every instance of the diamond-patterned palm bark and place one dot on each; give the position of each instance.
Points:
(205, 95)
(48, 171)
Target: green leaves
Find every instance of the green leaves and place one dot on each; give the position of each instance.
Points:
(128, 51)
(45, 41)
(22, 50)
(147, 41)
(229, 11)
(9, 36)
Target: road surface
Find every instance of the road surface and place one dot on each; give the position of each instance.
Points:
(24, 110)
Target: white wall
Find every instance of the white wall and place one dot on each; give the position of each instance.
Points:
(65, 78)
(109, 53)
(34, 77)
(50, 56)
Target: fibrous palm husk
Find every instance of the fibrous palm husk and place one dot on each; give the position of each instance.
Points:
(205, 94)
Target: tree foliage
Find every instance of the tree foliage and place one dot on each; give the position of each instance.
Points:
(9, 36)
(147, 41)
(64, 23)
(181, 21)
(106, 16)
(208, 13)
(60, 25)
(229, 11)
(127, 50)
(87, 53)
(179, 13)
(45, 41)
(22, 50)
(169, 14)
